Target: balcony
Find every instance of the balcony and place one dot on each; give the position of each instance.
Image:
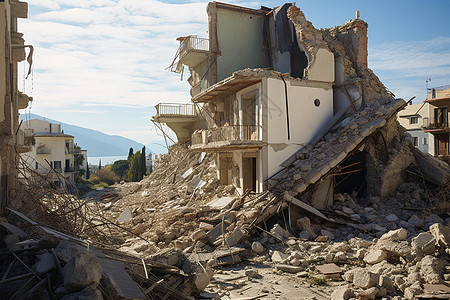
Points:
(174, 110)
(231, 137)
(71, 169)
(435, 125)
(193, 50)
(43, 151)
(72, 151)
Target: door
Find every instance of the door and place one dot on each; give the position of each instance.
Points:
(249, 173)
(442, 144)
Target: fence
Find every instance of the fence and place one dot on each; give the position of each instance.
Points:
(433, 123)
(228, 133)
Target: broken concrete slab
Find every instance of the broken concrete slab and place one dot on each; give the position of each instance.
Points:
(125, 216)
(14, 230)
(82, 271)
(328, 269)
(441, 233)
(45, 263)
(289, 268)
(235, 237)
(221, 203)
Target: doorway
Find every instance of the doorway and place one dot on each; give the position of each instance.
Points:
(249, 173)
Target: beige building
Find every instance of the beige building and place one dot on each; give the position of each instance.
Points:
(412, 117)
(52, 152)
(12, 52)
(262, 90)
(438, 102)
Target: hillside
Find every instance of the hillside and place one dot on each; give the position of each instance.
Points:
(97, 143)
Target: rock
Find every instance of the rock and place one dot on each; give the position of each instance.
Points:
(432, 269)
(423, 244)
(305, 224)
(415, 221)
(125, 215)
(67, 250)
(327, 233)
(370, 293)
(441, 233)
(347, 210)
(395, 235)
(376, 227)
(279, 257)
(431, 219)
(235, 237)
(45, 263)
(289, 268)
(355, 217)
(280, 232)
(86, 294)
(413, 290)
(413, 277)
(83, 270)
(365, 279)
(252, 273)
(391, 218)
(305, 235)
(349, 275)
(257, 247)
(342, 293)
(202, 277)
(375, 256)
(199, 234)
(360, 253)
(386, 282)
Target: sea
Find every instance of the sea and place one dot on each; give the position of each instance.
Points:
(106, 160)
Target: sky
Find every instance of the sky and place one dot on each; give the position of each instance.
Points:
(101, 64)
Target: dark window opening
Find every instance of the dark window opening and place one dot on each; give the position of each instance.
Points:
(353, 178)
(299, 61)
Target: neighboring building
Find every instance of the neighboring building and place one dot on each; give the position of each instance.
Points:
(152, 161)
(12, 51)
(263, 87)
(52, 152)
(412, 118)
(438, 102)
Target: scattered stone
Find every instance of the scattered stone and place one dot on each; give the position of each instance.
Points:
(252, 273)
(327, 233)
(395, 235)
(441, 233)
(235, 237)
(342, 293)
(125, 215)
(289, 268)
(364, 279)
(369, 293)
(347, 210)
(413, 290)
(257, 247)
(199, 234)
(423, 244)
(432, 269)
(386, 282)
(305, 235)
(415, 221)
(375, 256)
(280, 232)
(83, 270)
(45, 263)
(391, 218)
(279, 257)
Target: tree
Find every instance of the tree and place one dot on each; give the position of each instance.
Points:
(130, 153)
(134, 169)
(120, 168)
(143, 163)
(99, 164)
(106, 175)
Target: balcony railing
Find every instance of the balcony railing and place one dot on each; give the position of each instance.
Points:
(193, 43)
(432, 123)
(172, 109)
(231, 133)
(72, 150)
(71, 169)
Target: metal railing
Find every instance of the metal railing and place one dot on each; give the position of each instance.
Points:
(71, 169)
(433, 123)
(72, 151)
(172, 109)
(193, 42)
(228, 133)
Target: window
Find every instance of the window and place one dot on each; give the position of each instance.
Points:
(57, 164)
(425, 141)
(415, 141)
(413, 120)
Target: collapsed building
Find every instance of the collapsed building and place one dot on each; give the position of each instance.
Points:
(290, 108)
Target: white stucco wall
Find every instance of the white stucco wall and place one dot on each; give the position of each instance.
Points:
(305, 119)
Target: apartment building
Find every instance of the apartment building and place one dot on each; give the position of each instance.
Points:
(438, 103)
(262, 88)
(52, 152)
(12, 53)
(412, 117)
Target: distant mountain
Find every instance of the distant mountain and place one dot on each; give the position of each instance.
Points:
(95, 142)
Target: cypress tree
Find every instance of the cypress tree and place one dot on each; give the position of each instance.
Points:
(99, 164)
(143, 165)
(130, 153)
